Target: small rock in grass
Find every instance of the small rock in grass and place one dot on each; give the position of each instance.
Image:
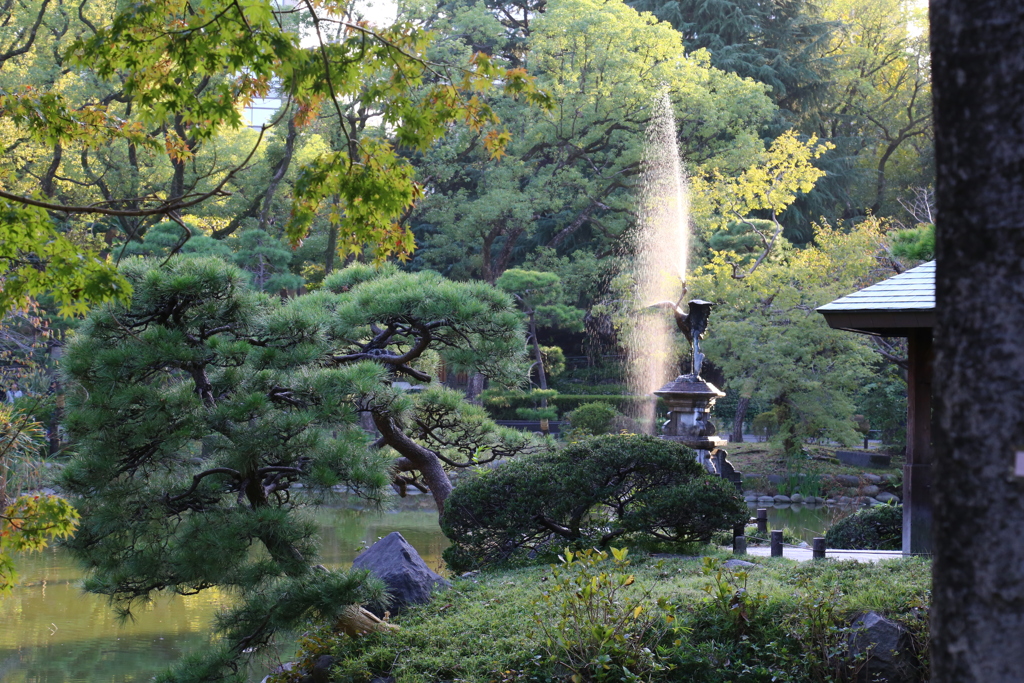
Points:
(322, 669)
(731, 564)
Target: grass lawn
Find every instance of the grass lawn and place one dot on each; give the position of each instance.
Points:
(775, 621)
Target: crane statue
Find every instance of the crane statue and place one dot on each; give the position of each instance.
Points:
(690, 399)
(693, 325)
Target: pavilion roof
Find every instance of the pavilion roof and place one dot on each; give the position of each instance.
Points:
(891, 307)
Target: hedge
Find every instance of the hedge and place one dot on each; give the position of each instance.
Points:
(504, 406)
(875, 528)
(586, 494)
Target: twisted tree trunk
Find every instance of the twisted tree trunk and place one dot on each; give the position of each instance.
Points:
(418, 457)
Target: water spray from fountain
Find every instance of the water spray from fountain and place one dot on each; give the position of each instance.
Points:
(661, 247)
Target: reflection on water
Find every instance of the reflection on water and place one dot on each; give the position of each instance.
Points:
(52, 632)
(806, 521)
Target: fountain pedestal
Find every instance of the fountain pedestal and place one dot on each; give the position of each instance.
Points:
(690, 400)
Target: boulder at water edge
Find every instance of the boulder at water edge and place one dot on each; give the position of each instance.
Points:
(889, 649)
(408, 578)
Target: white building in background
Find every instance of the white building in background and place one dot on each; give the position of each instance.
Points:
(261, 110)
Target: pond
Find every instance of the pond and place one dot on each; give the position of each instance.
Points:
(806, 521)
(52, 632)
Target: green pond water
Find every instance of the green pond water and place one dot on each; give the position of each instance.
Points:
(53, 632)
(806, 521)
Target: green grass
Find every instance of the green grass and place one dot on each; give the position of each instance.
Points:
(484, 628)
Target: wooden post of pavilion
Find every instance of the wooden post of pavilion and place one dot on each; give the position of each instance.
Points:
(903, 306)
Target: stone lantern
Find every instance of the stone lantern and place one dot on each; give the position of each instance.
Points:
(690, 399)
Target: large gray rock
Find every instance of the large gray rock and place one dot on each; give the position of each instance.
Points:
(885, 497)
(322, 669)
(847, 479)
(889, 650)
(408, 578)
(870, 490)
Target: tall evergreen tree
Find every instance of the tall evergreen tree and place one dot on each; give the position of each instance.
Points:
(780, 43)
(197, 409)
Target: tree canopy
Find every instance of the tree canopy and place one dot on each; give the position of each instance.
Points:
(133, 113)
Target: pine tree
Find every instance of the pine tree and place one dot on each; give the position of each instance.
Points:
(201, 407)
(197, 409)
(406, 322)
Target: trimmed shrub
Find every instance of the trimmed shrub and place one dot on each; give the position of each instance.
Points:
(586, 494)
(503, 405)
(876, 528)
(593, 418)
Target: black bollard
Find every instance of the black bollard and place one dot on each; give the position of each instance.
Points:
(819, 548)
(739, 545)
(739, 530)
(762, 520)
(777, 543)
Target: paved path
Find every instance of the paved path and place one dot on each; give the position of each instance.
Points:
(804, 554)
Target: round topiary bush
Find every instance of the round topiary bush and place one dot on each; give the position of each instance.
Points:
(588, 493)
(876, 528)
(593, 418)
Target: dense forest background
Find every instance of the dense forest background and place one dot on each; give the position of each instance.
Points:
(804, 127)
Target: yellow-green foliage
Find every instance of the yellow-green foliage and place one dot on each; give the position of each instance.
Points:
(30, 523)
(769, 340)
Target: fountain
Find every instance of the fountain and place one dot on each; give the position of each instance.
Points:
(660, 266)
(690, 397)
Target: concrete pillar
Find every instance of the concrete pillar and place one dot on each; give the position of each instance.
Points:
(917, 472)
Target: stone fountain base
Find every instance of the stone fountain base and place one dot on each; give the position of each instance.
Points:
(690, 400)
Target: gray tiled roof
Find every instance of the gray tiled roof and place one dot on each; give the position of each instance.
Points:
(913, 290)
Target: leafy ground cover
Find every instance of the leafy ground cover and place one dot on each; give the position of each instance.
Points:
(700, 621)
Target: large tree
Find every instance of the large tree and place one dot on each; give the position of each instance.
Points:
(569, 178)
(770, 343)
(201, 407)
(781, 43)
(196, 409)
(978, 62)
